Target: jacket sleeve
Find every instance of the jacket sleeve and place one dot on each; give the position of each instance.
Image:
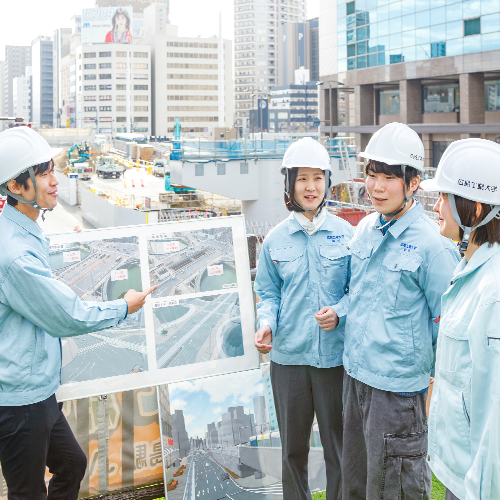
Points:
(342, 306)
(268, 288)
(482, 481)
(31, 291)
(435, 281)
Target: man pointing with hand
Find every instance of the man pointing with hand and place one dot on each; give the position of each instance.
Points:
(36, 310)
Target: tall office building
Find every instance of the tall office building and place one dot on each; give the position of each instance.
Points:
(432, 64)
(192, 77)
(179, 434)
(21, 95)
(42, 81)
(298, 47)
(2, 89)
(236, 427)
(16, 60)
(61, 49)
(113, 87)
(256, 25)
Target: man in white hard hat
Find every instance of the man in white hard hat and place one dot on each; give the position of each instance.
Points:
(464, 419)
(400, 268)
(35, 312)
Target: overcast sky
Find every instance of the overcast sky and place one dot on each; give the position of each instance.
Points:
(23, 20)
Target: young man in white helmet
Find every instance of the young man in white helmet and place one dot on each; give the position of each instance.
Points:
(400, 267)
(35, 312)
(464, 420)
(301, 281)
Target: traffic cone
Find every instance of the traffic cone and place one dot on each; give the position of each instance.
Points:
(133, 183)
(142, 183)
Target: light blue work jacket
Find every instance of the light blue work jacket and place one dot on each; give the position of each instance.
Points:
(298, 275)
(397, 281)
(35, 311)
(464, 421)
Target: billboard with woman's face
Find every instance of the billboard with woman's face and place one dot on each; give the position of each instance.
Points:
(107, 25)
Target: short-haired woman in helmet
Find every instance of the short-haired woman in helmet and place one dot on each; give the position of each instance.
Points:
(301, 282)
(464, 420)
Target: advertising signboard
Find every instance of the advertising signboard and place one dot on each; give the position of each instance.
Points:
(137, 5)
(107, 25)
(3, 201)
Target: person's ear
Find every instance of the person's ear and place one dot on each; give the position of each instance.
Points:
(14, 187)
(479, 211)
(414, 183)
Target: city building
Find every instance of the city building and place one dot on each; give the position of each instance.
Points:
(182, 444)
(16, 60)
(2, 89)
(256, 25)
(42, 82)
(236, 427)
(261, 416)
(433, 65)
(268, 394)
(113, 87)
(212, 436)
(192, 78)
(61, 49)
(298, 47)
(293, 108)
(21, 95)
(166, 425)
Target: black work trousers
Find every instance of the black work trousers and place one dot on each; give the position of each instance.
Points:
(299, 392)
(33, 437)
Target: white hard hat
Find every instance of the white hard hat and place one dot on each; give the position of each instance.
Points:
(396, 144)
(21, 148)
(469, 168)
(306, 153)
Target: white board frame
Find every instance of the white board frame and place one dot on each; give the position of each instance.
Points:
(155, 376)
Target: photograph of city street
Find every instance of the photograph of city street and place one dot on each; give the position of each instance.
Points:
(102, 270)
(192, 261)
(211, 428)
(197, 329)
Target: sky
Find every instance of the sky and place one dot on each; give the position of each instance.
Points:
(204, 400)
(23, 20)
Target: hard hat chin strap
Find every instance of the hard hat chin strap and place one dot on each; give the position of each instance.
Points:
(495, 212)
(6, 192)
(292, 200)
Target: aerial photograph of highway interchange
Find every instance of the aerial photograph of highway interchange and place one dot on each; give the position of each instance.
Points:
(202, 328)
(102, 270)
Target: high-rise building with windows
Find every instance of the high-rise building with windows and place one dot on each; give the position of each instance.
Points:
(61, 49)
(21, 95)
(16, 60)
(256, 46)
(432, 64)
(113, 87)
(42, 93)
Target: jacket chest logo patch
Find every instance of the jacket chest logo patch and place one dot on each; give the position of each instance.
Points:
(335, 238)
(407, 247)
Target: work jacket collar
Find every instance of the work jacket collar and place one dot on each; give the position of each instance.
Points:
(23, 221)
(294, 225)
(480, 256)
(404, 221)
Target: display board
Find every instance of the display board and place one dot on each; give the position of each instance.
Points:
(198, 322)
(107, 25)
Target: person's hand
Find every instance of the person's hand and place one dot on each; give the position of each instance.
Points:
(327, 318)
(262, 339)
(136, 300)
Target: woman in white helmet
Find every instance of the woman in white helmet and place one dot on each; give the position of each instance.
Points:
(35, 312)
(400, 267)
(464, 420)
(301, 281)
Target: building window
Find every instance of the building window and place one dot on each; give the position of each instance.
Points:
(350, 8)
(89, 55)
(89, 108)
(121, 108)
(243, 167)
(89, 66)
(438, 148)
(140, 54)
(105, 98)
(441, 98)
(105, 87)
(438, 49)
(89, 98)
(472, 26)
(221, 168)
(140, 119)
(89, 77)
(492, 96)
(121, 118)
(121, 53)
(104, 65)
(104, 108)
(121, 97)
(121, 76)
(141, 98)
(121, 65)
(140, 76)
(89, 87)
(105, 119)
(389, 102)
(140, 65)
(140, 87)
(104, 54)
(121, 86)
(140, 108)
(105, 76)
(199, 169)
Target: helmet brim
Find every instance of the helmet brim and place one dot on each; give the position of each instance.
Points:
(388, 161)
(430, 185)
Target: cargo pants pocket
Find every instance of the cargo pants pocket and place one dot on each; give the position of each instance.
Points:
(406, 474)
